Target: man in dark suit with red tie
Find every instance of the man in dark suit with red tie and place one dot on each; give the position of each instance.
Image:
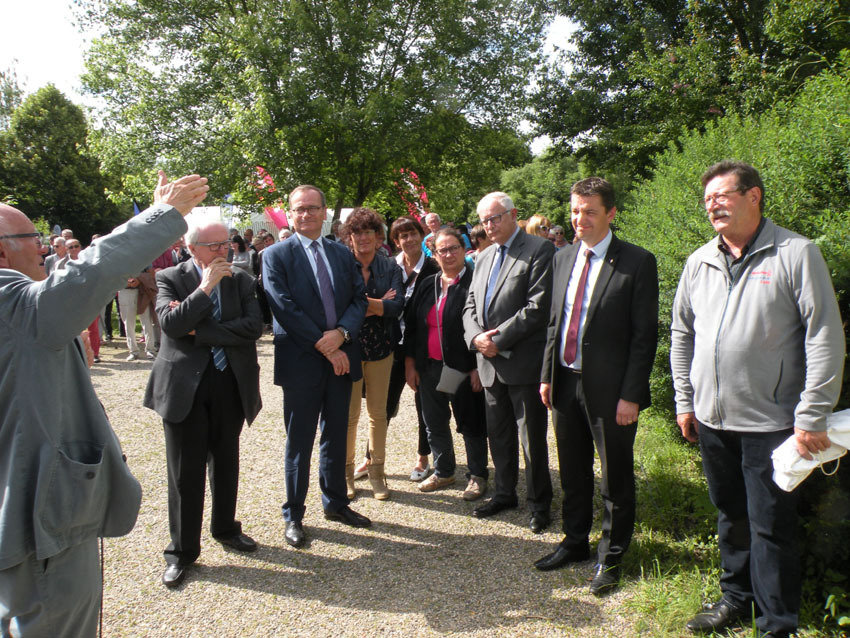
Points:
(318, 299)
(205, 384)
(600, 347)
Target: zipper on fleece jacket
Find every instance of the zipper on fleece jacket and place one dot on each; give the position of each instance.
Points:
(729, 289)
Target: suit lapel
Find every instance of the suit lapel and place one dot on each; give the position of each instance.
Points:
(486, 265)
(189, 277)
(605, 273)
(510, 259)
(561, 279)
(303, 266)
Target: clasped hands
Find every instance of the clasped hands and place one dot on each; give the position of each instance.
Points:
(329, 345)
(484, 343)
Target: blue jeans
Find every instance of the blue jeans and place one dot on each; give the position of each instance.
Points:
(756, 525)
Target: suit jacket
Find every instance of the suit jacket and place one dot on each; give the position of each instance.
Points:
(519, 309)
(62, 476)
(299, 316)
(621, 328)
(183, 357)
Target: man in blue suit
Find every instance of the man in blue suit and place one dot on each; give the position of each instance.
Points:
(318, 300)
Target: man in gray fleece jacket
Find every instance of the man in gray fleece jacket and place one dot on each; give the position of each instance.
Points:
(757, 355)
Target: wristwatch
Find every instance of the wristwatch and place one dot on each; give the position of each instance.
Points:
(346, 335)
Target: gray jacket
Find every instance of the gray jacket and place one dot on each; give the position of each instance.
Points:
(764, 352)
(62, 476)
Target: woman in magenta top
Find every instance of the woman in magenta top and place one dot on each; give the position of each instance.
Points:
(434, 338)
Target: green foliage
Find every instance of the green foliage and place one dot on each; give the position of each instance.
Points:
(46, 166)
(801, 148)
(322, 91)
(10, 96)
(640, 74)
(543, 186)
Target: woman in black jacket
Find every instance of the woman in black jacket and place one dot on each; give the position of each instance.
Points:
(433, 341)
(378, 335)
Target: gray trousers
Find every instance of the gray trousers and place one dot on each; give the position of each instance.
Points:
(57, 597)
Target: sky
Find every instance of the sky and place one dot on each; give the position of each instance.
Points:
(43, 44)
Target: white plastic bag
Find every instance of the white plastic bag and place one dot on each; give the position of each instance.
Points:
(790, 469)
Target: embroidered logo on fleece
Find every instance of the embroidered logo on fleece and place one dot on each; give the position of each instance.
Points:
(761, 276)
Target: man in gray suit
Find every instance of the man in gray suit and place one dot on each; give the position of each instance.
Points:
(62, 476)
(204, 385)
(505, 320)
(60, 255)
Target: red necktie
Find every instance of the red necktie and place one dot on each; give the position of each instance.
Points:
(575, 314)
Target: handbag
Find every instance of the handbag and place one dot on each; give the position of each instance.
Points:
(450, 378)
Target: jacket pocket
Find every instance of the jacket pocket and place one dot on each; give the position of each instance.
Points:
(73, 500)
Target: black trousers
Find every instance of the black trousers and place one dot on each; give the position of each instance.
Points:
(756, 525)
(516, 412)
(397, 383)
(576, 435)
(208, 438)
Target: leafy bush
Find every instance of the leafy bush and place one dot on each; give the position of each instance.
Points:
(802, 150)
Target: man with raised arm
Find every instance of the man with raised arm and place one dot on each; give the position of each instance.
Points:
(62, 474)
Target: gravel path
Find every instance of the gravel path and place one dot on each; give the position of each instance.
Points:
(425, 568)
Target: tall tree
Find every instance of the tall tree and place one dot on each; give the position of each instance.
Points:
(10, 96)
(643, 71)
(319, 90)
(46, 167)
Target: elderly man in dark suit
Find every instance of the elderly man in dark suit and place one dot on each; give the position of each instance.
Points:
(600, 346)
(505, 321)
(318, 299)
(205, 384)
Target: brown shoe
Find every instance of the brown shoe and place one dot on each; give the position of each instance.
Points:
(475, 489)
(379, 481)
(435, 482)
(350, 490)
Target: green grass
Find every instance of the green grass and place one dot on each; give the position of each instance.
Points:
(674, 548)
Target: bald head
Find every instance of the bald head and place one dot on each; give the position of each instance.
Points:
(21, 254)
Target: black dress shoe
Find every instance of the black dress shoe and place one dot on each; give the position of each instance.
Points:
(349, 517)
(294, 533)
(173, 575)
(562, 556)
(716, 616)
(491, 508)
(539, 521)
(606, 578)
(240, 543)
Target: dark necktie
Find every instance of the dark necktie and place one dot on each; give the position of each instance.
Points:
(325, 287)
(219, 357)
(491, 283)
(575, 315)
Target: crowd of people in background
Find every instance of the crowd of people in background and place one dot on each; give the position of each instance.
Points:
(494, 326)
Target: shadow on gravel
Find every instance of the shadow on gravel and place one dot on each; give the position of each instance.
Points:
(502, 589)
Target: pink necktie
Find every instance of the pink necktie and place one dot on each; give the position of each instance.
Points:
(575, 314)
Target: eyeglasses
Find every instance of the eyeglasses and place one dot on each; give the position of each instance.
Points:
(722, 198)
(494, 219)
(448, 250)
(545, 229)
(72, 246)
(558, 232)
(36, 236)
(213, 245)
(306, 210)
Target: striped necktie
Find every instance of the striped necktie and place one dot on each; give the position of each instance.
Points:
(219, 357)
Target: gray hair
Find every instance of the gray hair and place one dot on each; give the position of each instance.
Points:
(503, 198)
(59, 240)
(196, 227)
(432, 214)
